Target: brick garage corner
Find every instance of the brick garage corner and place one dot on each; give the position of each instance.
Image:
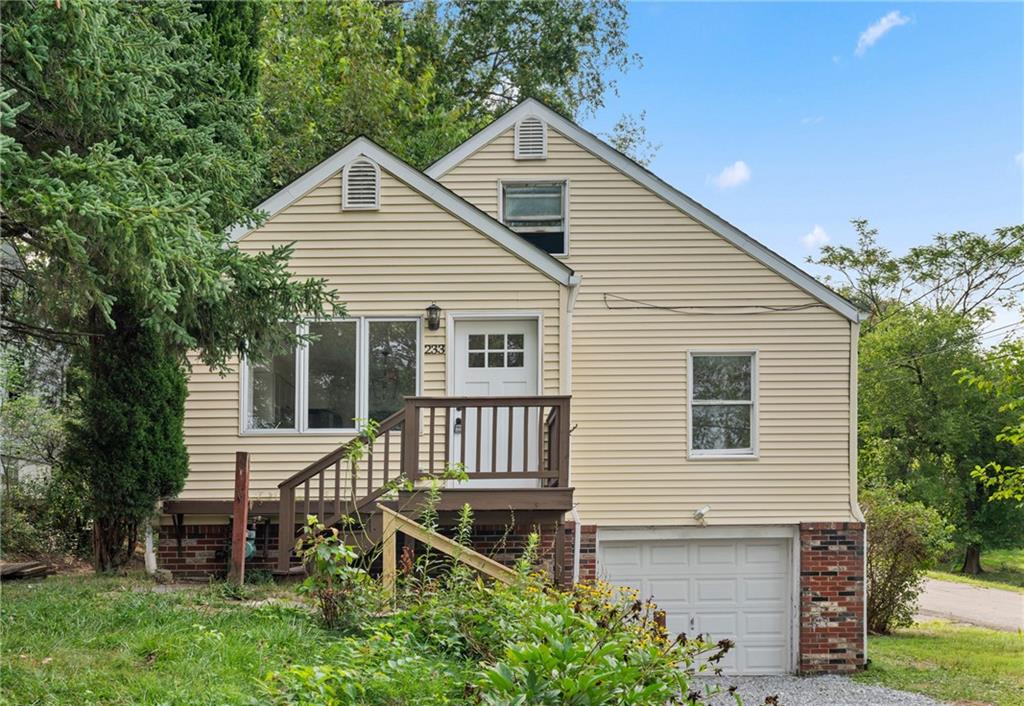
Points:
(832, 597)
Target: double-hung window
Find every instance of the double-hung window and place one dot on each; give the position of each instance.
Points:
(723, 414)
(354, 369)
(536, 211)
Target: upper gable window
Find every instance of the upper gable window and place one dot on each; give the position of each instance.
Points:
(360, 185)
(536, 211)
(531, 138)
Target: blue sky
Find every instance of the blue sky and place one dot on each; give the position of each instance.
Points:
(921, 130)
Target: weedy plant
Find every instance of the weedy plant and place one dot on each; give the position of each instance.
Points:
(343, 591)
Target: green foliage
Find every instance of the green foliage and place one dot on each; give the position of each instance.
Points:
(595, 646)
(963, 272)
(341, 589)
(907, 538)
(129, 155)
(420, 79)
(234, 29)
(44, 517)
(918, 427)
(1004, 381)
(952, 663)
(128, 446)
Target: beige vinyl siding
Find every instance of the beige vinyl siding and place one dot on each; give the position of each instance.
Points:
(392, 262)
(629, 367)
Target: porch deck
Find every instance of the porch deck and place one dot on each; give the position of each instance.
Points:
(507, 457)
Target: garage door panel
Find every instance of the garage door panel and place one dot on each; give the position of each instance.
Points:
(716, 591)
(764, 624)
(620, 555)
(764, 554)
(676, 590)
(765, 589)
(668, 555)
(716, 554)
(718, 626)
(736, 589)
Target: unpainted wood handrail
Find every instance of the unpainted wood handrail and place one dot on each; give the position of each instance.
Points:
(395, 522)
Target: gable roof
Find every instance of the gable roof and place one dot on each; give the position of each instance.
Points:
(430, 189)
(684, 203)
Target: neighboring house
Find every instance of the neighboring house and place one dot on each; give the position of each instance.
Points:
(536, 274)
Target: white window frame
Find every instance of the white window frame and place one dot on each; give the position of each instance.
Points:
(518, 181)
(753, 451)
(301, 427)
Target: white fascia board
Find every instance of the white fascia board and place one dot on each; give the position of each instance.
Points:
(684, 203)
(438, 194)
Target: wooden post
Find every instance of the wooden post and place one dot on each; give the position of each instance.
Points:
(390, 571)
(559, 563)
(240, 518)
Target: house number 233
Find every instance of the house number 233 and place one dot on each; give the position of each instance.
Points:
(433, 349)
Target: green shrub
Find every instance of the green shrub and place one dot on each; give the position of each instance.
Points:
(43, 518)
(904, 540)
(343, 591)
(128, 447)
(595, 645)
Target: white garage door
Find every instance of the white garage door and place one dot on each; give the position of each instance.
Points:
(738, 589)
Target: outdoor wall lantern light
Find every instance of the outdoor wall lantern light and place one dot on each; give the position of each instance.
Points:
(433, 317)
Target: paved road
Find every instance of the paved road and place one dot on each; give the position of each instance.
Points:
(988, 607)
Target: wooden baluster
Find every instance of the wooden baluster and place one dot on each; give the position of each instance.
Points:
(479, 433)
(447, 437)
(511, 419)
(369, 470)
(494, 439)
(463, 430)
(353, 477)
(306, 492)
(337, 488)
(321, 515)
(430, 452)
(387, 455)
(526, 439)
(540, 439)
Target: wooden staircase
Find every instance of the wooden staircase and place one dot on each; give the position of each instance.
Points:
(347, 487)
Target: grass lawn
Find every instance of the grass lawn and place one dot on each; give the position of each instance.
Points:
(1004, 568)
(965, 665)
(88, 640)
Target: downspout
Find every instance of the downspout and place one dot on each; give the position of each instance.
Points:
(576, 545)
(570, 306)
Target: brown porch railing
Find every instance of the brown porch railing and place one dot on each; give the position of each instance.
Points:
(497, 438)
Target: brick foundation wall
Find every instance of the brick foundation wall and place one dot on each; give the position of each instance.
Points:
(205, 548)
(832, 598)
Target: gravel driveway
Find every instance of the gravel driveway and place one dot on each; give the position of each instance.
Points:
(814, 691)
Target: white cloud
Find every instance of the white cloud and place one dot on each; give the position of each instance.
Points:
(815, 239)
(735, 174)
(878, 30)
(812, 119)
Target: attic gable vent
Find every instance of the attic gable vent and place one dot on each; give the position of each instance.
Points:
(531, 138)
(360, 185)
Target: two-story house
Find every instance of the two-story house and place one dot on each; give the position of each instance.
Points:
(673, 403)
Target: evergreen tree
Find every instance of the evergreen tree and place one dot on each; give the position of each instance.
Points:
(130, 145)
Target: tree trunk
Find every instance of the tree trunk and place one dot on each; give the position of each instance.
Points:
(113, 544)
(972, 560)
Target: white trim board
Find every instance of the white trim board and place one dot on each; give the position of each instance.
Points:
(430, 189)
(684, 203)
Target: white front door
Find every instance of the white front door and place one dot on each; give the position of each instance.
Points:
(738, 589)
(496, 358)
